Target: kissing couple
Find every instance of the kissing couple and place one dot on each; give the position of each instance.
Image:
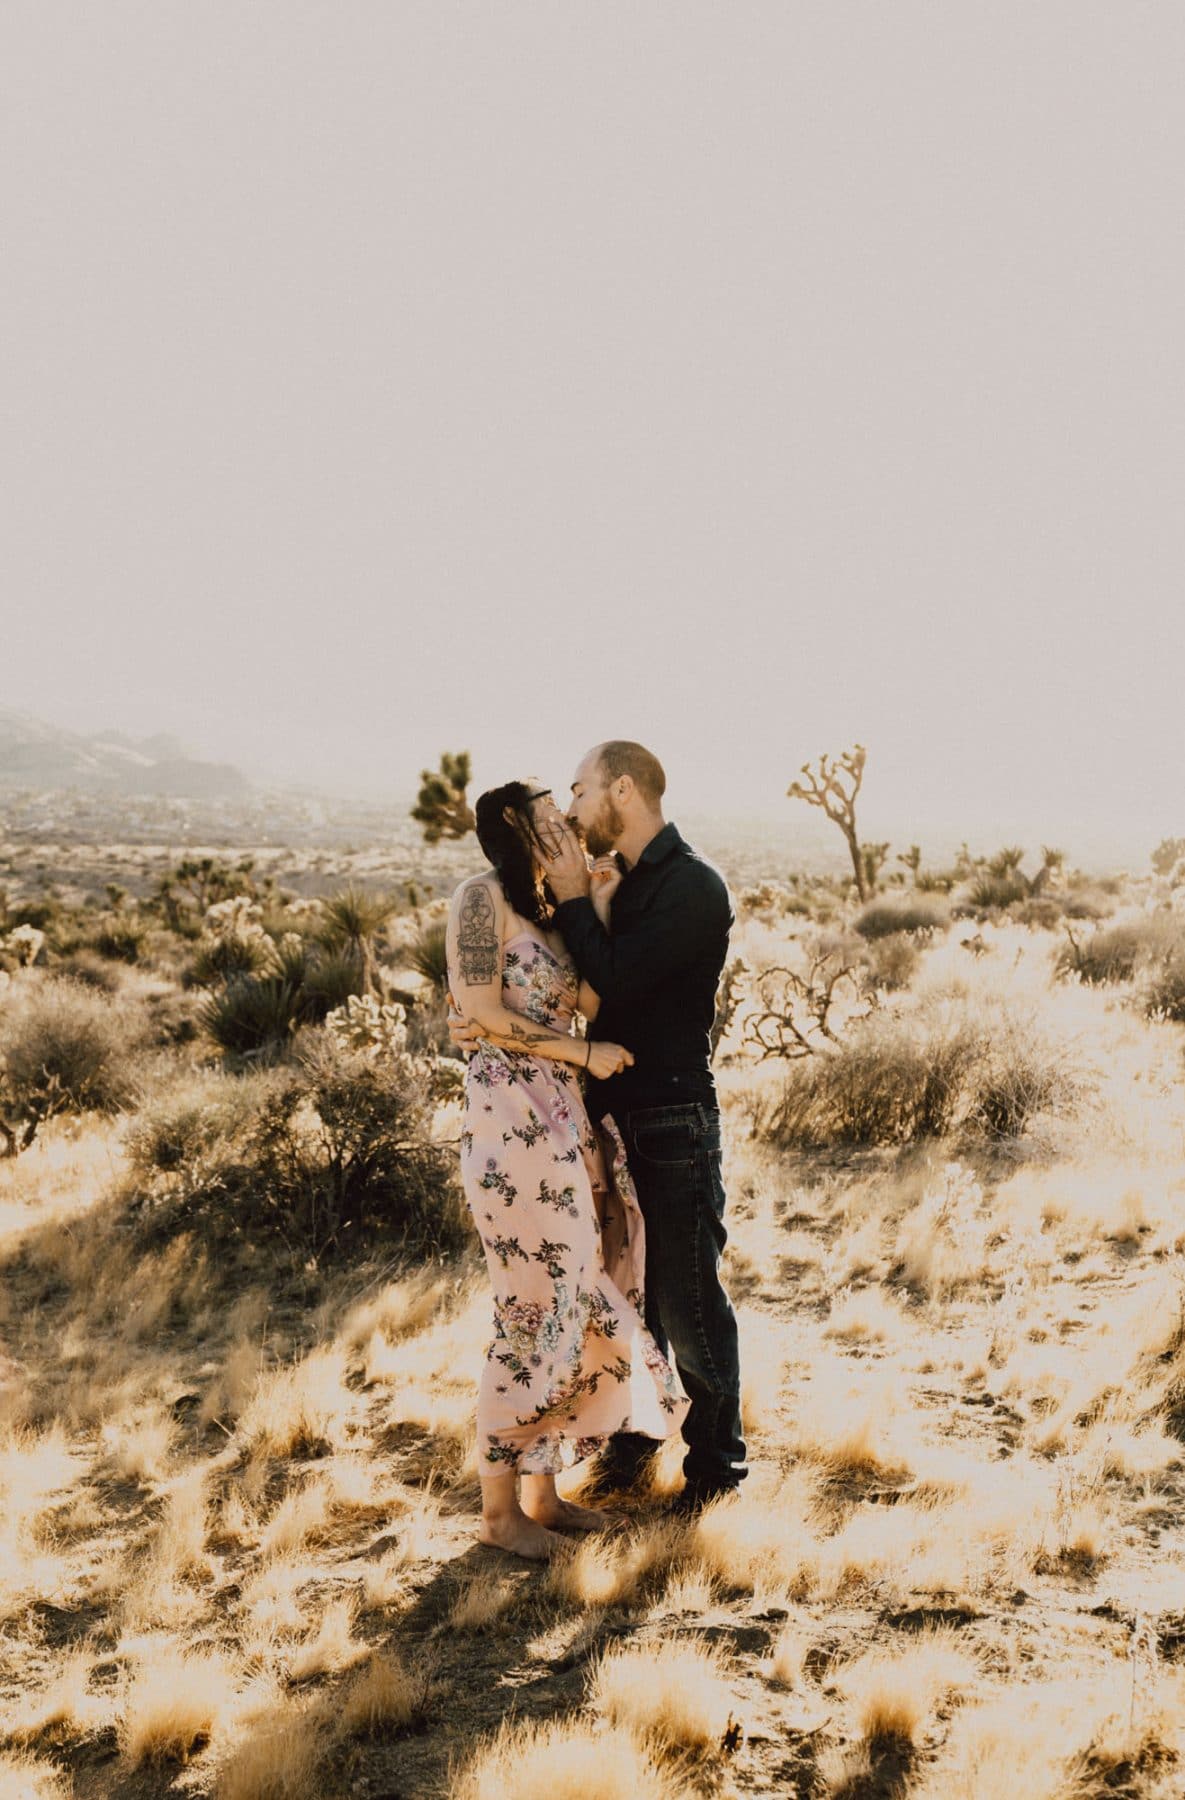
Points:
(591, 1164)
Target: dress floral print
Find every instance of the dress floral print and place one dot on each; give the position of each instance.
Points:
(571, 1361)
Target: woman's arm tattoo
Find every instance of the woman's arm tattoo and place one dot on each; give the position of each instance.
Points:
(477, 939)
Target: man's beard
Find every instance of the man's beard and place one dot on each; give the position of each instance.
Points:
(604, 831)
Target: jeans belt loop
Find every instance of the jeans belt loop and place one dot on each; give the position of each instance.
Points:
(703, 1117)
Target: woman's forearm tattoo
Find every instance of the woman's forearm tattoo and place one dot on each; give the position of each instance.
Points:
(477, 939)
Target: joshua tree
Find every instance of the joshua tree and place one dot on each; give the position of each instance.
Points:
(912, 860)
(441, 807)
(1167, 854)
(825, 787)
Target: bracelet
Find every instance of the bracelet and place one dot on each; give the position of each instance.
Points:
(587, 1051)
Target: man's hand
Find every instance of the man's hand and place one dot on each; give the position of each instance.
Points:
(567, 868)
(605, 877)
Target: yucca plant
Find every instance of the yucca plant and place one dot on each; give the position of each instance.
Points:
(350, 921)
(253, 1018)
(329, 980)
(427, 953)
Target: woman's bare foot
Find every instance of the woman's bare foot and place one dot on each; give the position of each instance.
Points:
(521, 1535)
(565, 1515)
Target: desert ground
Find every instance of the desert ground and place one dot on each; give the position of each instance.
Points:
(242, 1316)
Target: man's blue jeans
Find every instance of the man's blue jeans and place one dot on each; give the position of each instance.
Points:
(674, 1157)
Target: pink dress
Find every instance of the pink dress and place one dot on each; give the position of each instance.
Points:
(571, 1361)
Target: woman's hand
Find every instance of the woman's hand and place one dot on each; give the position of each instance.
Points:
(605, 1059)
(605, 877)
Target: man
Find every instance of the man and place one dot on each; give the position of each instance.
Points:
(657, 970)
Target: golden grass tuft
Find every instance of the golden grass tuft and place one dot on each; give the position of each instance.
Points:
(864, 1316)
(301, 1409)
(481, 1601)
(765, 1537)
(675, 1694)
(66, 1706)
(604, 1571)
(893, 1691)
(385, 1697)
(1053, 1739)
(567, 1761)
(330, 1644)
(299, 1519)
(140, 1443)
(787, 1657)
(278, 1758)
(846, 1420)
(174, 1701)
(24, 1778)
(385, 1582)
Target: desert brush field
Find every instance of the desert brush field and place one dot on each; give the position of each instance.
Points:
(243, 1313)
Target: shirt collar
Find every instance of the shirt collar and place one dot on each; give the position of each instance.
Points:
(661, 845)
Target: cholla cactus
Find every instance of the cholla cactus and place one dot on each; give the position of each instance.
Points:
(236, 917)
(233, 942)
(366, 1024)
(25, 943)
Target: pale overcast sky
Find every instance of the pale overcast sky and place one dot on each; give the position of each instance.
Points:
(748, 378)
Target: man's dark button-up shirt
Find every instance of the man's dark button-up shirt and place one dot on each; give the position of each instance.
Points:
(656, 971)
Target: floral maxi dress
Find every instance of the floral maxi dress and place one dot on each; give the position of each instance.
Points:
(571, 1361)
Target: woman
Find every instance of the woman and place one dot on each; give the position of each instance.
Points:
(571, 1362)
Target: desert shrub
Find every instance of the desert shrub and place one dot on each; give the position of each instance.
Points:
(1163, 987)
(255, 1016)
(1021, 1074)
(1086, 905)
(1041, 912)
(119, 938)
(63, 1049)
(936, 881)
(889, 1083)
(990, 891)
(899, 1078)
(42, 914)
(884, 917)
(1117, 953)
(891, 962)
(91, 969)
(1167, 854)
(330, 1149)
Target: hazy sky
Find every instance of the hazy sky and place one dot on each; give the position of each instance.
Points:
(751, 379)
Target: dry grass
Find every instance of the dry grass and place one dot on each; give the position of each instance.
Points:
(174, 1701)
(278, 1758)
(675, 1694)
(570, 1761)
(893, 1692)
(766, 1537)
(964, 1390)
(481, 1602)
(329, 1645)
(607, 1571)
(25, 1778)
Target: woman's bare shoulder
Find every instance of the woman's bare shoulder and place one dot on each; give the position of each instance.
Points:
(473, 887)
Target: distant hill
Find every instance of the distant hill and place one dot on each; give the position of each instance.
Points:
(36, 755)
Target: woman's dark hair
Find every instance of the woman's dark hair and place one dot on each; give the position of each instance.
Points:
(508, 848)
